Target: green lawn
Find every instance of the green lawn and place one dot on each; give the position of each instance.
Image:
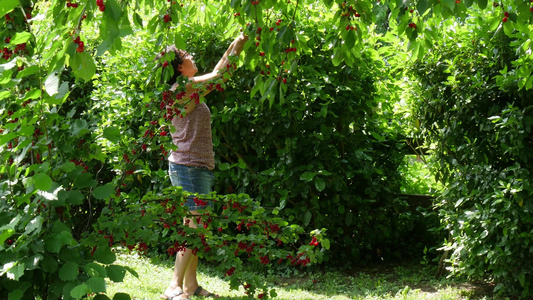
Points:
(411, 281)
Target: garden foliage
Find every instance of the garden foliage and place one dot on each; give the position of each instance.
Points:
(305, 137)
(479, 123)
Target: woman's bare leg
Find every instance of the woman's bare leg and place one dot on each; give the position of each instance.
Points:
(183, 262)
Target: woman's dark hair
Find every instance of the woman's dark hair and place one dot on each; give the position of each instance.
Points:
(176, 62)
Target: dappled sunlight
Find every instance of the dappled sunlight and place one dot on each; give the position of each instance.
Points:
(402, 282)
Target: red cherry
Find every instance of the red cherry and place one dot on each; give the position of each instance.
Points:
(504, 19)
(262, 54)
(284, 80)
(257, 44)
(506, 14)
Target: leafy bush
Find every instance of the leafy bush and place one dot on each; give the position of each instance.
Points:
(325, 152)
(480, 122)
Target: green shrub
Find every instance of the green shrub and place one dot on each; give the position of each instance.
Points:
(480, 123)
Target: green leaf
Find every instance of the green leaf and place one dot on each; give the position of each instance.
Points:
(5, 138)
(96, 284)
(307, 218)
(307, 176)
(104, 191)
(20, 38)
(16, 272)
(320, 184)
(33, 94)
(508, 28)
(85, 180)
(112, 134)
(80, 127)
(349, 218)
(131, 271)
(34, 225)
(69, 271)
(109, 31)
(325, 243)
(4, 95)
(83, 66)
(121, 296)
(68, 167)
(450, 3)
(79, 291)
(51, 83)
(116, 273)
(53, 245)
(137, 20)
(28, 71)
(350, 39)
(113, 10)
(42, 181)
(422, 6)
(494, 23)
(103, 254)
(522, 279)
(482, 3)
(6, 6)
(6, 233)
(73, 197)
(49, 264)
(101, 297)
(15, 295)
(338, 57)
(95, 270)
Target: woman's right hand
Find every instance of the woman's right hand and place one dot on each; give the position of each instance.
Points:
(238, 44)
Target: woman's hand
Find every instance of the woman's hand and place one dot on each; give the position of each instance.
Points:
(238, 44)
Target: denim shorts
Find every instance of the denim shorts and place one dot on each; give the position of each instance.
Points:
(197, 180)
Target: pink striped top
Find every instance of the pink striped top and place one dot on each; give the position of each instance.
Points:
(193, 139)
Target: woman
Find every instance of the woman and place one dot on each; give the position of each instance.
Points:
(191, 165)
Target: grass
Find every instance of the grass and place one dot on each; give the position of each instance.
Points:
(409, 281)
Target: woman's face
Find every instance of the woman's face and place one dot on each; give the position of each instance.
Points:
(188, 67)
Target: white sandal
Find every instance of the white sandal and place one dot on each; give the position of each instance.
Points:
(171, 294)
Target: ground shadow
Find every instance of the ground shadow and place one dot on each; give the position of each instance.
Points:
(377, 281)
